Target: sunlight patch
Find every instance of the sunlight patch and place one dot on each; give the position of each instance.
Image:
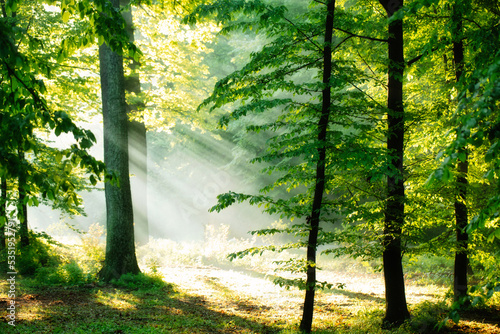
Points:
(117, 300)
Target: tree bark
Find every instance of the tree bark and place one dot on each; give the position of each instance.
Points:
(396, 308)
(461, 219)
(22, 208)
(3, 213)
(138, 156)
(120, 248)
(307, 315)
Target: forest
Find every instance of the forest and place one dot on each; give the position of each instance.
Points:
(250, 166)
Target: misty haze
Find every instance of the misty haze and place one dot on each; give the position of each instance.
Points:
(253, 166)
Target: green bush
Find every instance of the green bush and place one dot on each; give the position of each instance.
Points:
(427, 317)
(51, 263)
(424, 269)
(64, 274)
(140, 282)
(39, 253)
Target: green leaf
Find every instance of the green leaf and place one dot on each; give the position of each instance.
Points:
(495, 234)
(462, 156)
(58, 157)
(65, 16)
(93, 180)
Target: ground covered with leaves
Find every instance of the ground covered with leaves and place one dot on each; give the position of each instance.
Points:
(213, 300)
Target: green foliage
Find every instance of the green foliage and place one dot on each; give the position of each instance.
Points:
(63, 274)
(90, 253)
(140, 282)
(33, 49)
(270, 105)
(171, 88)
(49, 262)
(279, 92)
(427, 269)
(40, 253)
(427, 318)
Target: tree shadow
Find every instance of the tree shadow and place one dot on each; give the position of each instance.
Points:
(108, 309)
(336, 291)
(355, 295)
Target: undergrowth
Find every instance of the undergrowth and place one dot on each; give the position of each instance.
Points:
(64, 289)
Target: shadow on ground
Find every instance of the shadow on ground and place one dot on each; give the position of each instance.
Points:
(112, 310)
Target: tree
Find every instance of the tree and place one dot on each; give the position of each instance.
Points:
(22, 208)
(3, 213)
(120, 248)
(464, 191)
(25, 115)
(461, 216)
(396, 308)
(138, 149)
(308, 152)
(320, 179)
(476, 135)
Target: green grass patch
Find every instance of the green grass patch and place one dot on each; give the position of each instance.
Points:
(145, 304)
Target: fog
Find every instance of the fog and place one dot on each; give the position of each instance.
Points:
(187, 169)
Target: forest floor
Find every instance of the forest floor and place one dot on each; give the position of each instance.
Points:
(213, 300)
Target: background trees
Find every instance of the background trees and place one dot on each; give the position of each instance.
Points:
(26, 116)
(120, 247)
(388, 148)
(399, 199)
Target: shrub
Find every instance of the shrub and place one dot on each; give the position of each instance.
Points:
(39, 253)
(427, 317)
(140, 282)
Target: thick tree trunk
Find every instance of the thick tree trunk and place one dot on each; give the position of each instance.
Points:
(396, 307)
(139, 168)
(138, 157)
(461, 219)
(120, 248)
(307, 315)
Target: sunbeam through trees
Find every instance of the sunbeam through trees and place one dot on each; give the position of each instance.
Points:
(250, 166)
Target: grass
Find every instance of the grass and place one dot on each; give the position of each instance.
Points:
(118, 309)
(146, 305)
(192, 288)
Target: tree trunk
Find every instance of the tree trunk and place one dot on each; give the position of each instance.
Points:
(396, 307)
(138, 157)
(120, 248)
(461, 219)
(22, 209)
(139, 168)
(307, 315)
(3, 213)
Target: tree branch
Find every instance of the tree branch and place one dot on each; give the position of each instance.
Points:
(32, 92)
(417, 58)
(360, 36)
(303, 33)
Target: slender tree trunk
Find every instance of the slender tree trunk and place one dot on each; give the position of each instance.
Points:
(461, 219)
(22, 208)
(307, 315)
(120, 248)
(396, 307)
(3, 213)
(138, 157)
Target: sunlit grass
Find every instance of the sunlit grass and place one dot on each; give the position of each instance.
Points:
(117, 299)
(206, 293)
